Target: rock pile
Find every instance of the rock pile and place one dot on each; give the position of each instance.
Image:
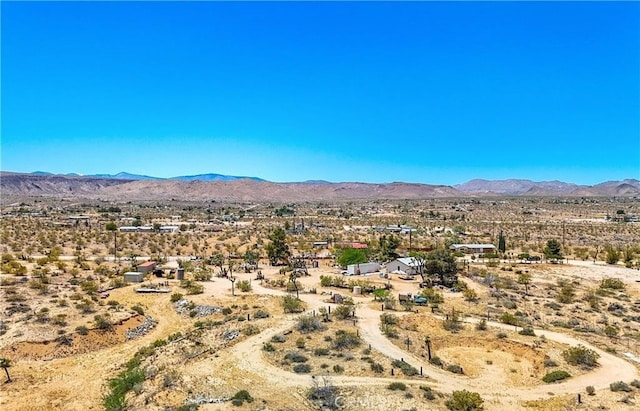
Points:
(148, 325)
(230, 335)
(185, 307)
(202, 399)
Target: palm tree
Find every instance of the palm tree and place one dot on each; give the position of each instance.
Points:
(6, 363)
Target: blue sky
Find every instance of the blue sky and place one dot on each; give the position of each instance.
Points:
(378, 92)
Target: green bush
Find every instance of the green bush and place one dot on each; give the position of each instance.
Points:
(244, 286)
(240, 397)
(612, 284)
(428, 392)
(261, 314)
(582, 356)
(554, 376)
(302, 368)
(397, 386)
(508, 318)
(338, 368)
(295, 356)
(345, 339)
(82, 330)
(464, 401)
(527, 331)
(591, 390)
(436, 361)
(377, 368)
(454, 368)
(308, 323)
(318, 352)
(268, 347)
(137, 308)
(175, 297)
(406, 368)
(620, 386)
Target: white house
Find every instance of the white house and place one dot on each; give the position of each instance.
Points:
(473, 248)
(407, 265)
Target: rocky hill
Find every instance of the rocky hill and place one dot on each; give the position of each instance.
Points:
(253, 189)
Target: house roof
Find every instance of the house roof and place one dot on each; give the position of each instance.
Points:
(473, 246)
(147, 264)
(409, 261)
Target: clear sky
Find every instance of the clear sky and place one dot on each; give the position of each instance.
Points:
(377, 92)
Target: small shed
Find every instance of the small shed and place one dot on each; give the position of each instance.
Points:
(133, 277)
(146, 267)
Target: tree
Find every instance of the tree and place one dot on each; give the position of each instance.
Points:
(6, 363)
(525, 279)
(387, 247)
(441, 263)
(553, 250)
(293, 279)
(111, 226)
(251, 257)
(217, 260)
(464, 401)
(347, 256)
(502, 244)
(277, 249)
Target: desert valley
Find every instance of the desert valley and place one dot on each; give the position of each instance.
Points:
(181, 295)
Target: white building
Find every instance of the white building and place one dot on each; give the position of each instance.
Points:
(407, 265)
(473, 248)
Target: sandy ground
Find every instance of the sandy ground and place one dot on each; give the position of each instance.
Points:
(78, 382)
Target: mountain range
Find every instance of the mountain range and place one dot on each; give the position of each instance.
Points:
(206, 187)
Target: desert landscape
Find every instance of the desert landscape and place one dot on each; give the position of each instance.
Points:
(237, 304)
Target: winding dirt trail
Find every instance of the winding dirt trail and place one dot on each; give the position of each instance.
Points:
(250, 359)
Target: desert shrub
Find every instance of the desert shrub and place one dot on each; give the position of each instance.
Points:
(509, 304)
(397, 386)
(452, 322)
(454, 368)
(612, 284)
(428, 392)
(300, 343)
(406, 368)
(251, 329)
(345, 339)
(120, 386)
(635, 383)
(175, 297)
(291, 304)
(527, 331)
(436, 361)
(548, 362)
(620, 386)
(582, 356)
(308, 324)
(227, 310)
(319, 352)
(464, 401)
(338, 368)
(554, 376)
(278, 338)
(432, 295)
(377, 368)
(591, 390)
(295, 356)
(244, 286)
(389, 331)
(102, 323)
(343, 311)
(481, 325)
(261, 314)
(240, 397)
(268, 347)
(302, 368)
(82, 330)
(137, 308)
(509, 318)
